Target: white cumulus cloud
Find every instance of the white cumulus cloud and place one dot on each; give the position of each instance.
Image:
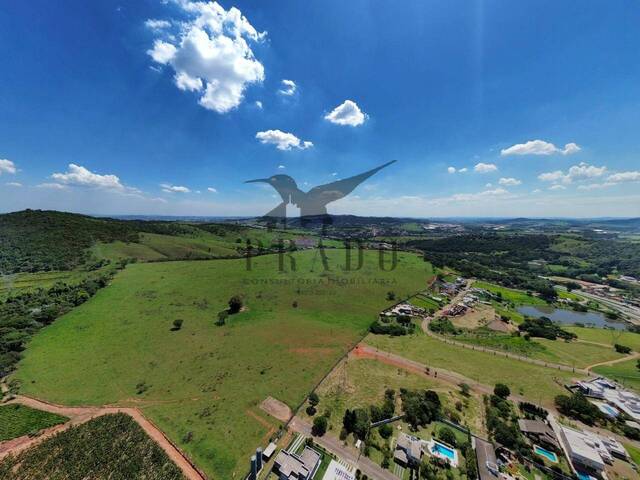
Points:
(557, 186)
(212, 190)
(289, 87)
(539, 147)
(451, 170)
(168, 188)
(582, 171)
(347, 114)
(13, 184)
(485, 167)
(7, 166)
(633, 176)
(155, 24)
(211, 54)
(77, 175)
(282, 140)
(509, 182)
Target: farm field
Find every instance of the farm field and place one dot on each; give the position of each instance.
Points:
(626, 373)
(119, 449)
(359, 383)
(536, 382)
(17, 420)
(202, 383)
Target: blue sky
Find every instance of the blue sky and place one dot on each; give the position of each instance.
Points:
(492, 108)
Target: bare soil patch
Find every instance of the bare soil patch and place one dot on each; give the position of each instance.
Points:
(276, 409)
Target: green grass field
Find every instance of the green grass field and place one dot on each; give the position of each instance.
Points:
(359, 383)
(517, 297)
(538, 383)
(607, 336)
(626, 373)
(105, 448)
(17, 420)
(202, 384)
(573, 354)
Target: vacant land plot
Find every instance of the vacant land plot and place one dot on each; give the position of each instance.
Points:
(538, 383)
(607, 336)
(202, 384)
(360, 383)
(572, 354)
(107, 447)
(626, 373)
(517, 297)
(18, 420)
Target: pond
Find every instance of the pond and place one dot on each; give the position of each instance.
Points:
(569, 317)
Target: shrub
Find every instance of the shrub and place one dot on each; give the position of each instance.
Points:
(622, 348)
(177, 324)
(385, 431)
(319, 426)
(501, 390)
(314, 399)
(222, 318)
(235, 304)
(311, 410)
(447, 436)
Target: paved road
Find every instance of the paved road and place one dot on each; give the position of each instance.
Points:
(79, 415)
(486, 454)
(348, 453)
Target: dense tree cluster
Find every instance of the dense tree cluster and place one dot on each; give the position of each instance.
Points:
(24, 314)
(420, 407)
(577, 406)
(504, 257)
(543, 327)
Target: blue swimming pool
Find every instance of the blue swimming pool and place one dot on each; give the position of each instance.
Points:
(609, 410)
(443, 450)
(552, 457)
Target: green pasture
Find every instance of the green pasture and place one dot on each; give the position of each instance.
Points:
(517, 297)
(606, 336)
(21, 282)
(626, 373)
(572, 354)
(538, 383)
(17, 420)
(202, 384)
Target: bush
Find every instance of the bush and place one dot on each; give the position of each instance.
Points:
(222, 318)
(385, 430)
(319, 426)
(235, 304)
(177, 324)
(314, 399)
(622, 348)
(311, 410)
(447, 436)
(501, 390)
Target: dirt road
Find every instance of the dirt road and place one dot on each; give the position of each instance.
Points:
(79, 415)
(612, 362)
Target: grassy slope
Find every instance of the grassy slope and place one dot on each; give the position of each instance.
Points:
(533, 381)
(17, 420)
(517, 297)
(105, 448)
(573, 354)
(360, 383)
(626, 373)
(606, 336)
(204, 379)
